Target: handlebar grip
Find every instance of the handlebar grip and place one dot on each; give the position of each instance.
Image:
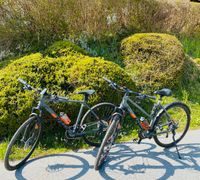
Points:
(22, 81)
(26, 85)
(109, 81)
(112, 86)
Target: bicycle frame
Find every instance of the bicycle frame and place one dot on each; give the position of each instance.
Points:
(42, 105)
(125, 106)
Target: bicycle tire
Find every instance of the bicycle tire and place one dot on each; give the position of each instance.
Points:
(26, 124)
(111, 134)
(160, 118)
(104, 111)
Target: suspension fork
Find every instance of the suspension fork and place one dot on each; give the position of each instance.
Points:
(25, 132)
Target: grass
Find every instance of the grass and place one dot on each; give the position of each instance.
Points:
(39, 151)
(45, 147)
(191, 45)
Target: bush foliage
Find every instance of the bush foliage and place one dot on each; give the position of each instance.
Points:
(197, 60)
(154, 60)
(63, 48)
(64, 75)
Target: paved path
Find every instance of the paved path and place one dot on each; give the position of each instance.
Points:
(127, 161)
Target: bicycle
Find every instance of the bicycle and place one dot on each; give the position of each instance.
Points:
(160, 124)
(91, 127)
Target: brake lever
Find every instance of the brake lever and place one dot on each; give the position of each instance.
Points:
(112, 86)
(26, 87)
(54, 98)
(107, 80)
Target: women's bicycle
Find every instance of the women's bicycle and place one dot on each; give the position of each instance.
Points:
(167, 125)
(91, 126)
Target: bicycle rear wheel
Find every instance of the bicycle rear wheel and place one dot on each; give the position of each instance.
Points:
(175, 117)
(107, 142)
(22, 144)
(95, 123)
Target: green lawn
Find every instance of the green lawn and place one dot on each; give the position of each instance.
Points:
(191, 45)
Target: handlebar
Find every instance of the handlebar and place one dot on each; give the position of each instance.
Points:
(126, 90)
(43, 92)
(26, 85)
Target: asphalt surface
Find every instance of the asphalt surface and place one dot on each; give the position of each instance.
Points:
(126, 161)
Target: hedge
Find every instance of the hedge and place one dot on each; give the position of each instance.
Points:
(64, 75)
(154, 60)
(197, 60)
(63, 48)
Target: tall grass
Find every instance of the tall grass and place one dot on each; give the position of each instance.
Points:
(191, 45)
(32, 25)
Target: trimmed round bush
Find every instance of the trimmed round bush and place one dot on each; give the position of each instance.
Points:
(154, 60)
(64, 48)
(64, 76)
(89, 72)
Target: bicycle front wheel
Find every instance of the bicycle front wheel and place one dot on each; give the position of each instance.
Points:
(95, 123)
(107, 142)
(174, 120)
(22, 144)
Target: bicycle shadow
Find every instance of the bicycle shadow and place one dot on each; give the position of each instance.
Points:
(124, 161)
(61, 165)
(150, 163)
(54, 166)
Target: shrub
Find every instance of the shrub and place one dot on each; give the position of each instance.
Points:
(197, 60)
(63, 48)
(89, 72)
(63, 75)
(154, 60)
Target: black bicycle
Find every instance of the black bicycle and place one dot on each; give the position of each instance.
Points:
(91, 126)
(166, 124)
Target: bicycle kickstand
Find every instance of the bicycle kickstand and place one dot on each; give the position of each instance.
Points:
(174, 133)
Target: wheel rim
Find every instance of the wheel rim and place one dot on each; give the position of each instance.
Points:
(107, 147)
(95, 129)
(175, 120)
(24, 143)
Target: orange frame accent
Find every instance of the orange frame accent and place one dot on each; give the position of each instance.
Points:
(133, 115)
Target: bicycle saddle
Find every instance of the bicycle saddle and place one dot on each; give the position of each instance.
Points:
(87, 92)
(164, 92)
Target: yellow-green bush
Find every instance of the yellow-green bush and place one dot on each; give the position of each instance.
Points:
(154, 60)
(197, 60)
(63, 48)
(63, 75)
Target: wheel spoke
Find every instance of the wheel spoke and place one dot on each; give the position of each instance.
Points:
(22, 144)
(95, 128)
(175, 118)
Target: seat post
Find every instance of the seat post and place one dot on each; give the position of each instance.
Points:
(161, 97)
(86, 97)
